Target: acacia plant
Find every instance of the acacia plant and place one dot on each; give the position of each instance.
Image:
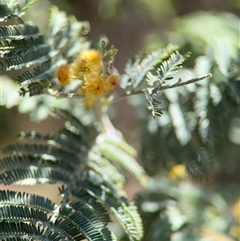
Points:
(86, 157)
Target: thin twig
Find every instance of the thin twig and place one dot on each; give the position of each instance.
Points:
(179, 83)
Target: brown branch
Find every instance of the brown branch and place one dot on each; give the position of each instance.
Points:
(160, 88)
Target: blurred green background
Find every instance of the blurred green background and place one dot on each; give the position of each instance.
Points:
(132, 25)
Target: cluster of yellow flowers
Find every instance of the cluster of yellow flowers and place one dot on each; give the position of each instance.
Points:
(178, 172)
(235, 229)
(88, 68)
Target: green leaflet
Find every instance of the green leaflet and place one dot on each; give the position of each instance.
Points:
(104, 167)
(130, 220)
(114, 151)
(139, 67)
(14, 8)
(23, 46)
(55, 158)
(30, 218)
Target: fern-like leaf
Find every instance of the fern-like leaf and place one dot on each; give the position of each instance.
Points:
(16, 198)
(104, 167)
(21, 230)
(130, 221)
(117, 153)
(22, 46)
(169, 67)
(135, 73)
(131, 64)
(13, 8)
(18, 32)
(55, 158)
(87, 222)
(27, 215)
(116, 202)
(64, 139)
(153, 103)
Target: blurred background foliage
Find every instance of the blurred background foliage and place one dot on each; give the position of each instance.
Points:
(173, 207)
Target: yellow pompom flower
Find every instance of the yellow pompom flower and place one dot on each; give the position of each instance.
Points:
(111, 82)
(94, 86)
(87, 67)
(92, 55)
(63, 74)
(92, 89)
(87, 63)
(236, 210)
(178, 171)
(81, 67)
